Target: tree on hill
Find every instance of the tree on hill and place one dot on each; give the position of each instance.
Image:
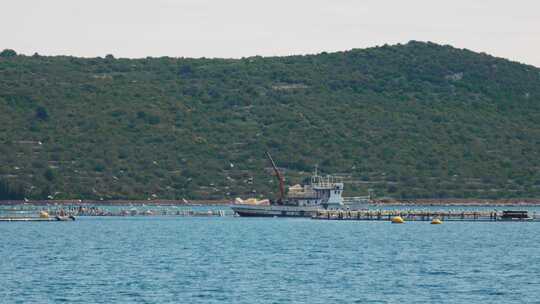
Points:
(41, 113)
(8, 192)
(8, 53)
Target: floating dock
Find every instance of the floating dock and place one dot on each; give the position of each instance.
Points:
(148, 212)
(37, 219)
(411, 215)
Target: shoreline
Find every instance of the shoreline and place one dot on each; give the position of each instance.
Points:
(460, 202)
(118, 202)
(222, 202)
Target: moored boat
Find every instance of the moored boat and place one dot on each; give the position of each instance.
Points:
(322, 192)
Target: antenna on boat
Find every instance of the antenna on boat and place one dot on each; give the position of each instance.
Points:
(279, 177)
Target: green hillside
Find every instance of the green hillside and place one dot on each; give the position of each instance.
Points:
(413, 120)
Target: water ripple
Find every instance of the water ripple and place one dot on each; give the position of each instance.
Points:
(238, 260)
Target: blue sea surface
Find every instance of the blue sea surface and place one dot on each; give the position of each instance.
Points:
(267, 260)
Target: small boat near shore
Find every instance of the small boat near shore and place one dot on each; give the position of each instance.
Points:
(42, 217)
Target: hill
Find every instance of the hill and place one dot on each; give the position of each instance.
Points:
(414, 120)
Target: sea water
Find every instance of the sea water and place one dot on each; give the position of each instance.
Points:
(267, 260)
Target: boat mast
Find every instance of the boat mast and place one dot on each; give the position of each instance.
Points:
(279, 177)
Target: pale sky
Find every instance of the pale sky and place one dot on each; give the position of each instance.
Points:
(238, 28)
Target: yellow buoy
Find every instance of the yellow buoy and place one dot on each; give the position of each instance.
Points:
(397, 220)
(436, 221)
(43, 214)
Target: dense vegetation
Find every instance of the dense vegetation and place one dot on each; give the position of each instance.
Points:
(8, 192)
(414, 120)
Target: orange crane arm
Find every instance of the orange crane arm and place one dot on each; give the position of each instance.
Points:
(279, 177)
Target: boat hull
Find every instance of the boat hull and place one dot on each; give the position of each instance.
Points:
(274, 211)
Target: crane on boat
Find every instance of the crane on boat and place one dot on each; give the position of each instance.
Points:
(280, 178)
